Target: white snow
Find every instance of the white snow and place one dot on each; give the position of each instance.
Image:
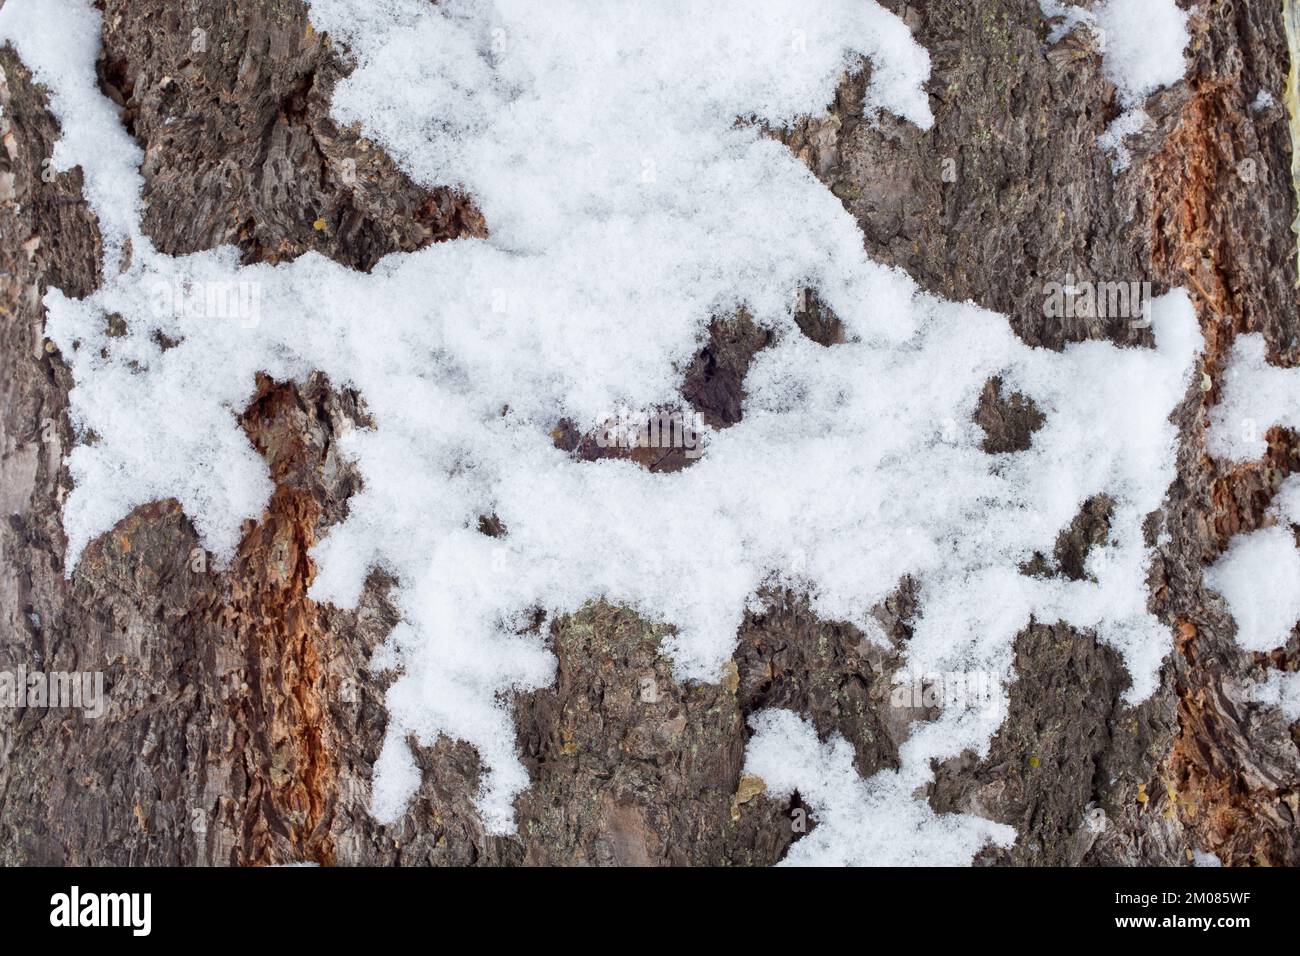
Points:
(1280, 689)
(626, 206)
(1142, 46)
(1263, 100)
(1287, 500)
(1065, 17)
(59, 41)
(1259, 578)
(1255, 397)
(1142, 43)
(1113, 140)
(874, 822)
(1259, 574)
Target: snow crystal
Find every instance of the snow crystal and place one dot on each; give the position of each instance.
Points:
(627, 205)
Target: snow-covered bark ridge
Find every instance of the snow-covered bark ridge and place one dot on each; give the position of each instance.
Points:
(1259, 574)
(1142, 43)
(627, 206)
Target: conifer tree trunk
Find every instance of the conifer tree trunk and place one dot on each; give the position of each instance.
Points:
(244, 720)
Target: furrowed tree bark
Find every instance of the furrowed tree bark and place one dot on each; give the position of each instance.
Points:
(244, 720)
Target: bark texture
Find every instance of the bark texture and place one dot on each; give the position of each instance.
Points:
(245, 721)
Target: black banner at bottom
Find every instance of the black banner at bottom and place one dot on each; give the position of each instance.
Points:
(338, 905)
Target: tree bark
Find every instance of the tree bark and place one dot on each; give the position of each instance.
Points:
(245, 721)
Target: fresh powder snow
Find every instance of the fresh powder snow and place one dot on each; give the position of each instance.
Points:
(1141, 43)
(617, 153)
(1256, 396)
(1258, 576)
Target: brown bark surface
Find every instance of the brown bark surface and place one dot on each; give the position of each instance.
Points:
(244, 719)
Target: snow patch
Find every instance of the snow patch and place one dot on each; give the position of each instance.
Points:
(1064, 18)
(1259, 578)
(874, 822)
(1259, 575)
(627, 207)
(59, 41)
(1129, 123)
(1280, 689)
(1255, 396)
(1142, 43)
